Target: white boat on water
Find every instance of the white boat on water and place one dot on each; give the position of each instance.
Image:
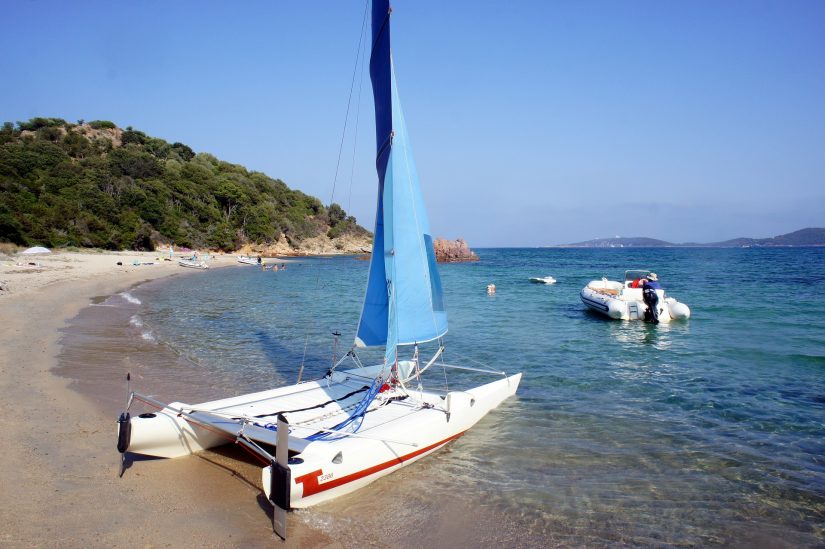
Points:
(543, 280)
(624, 300)
(246, 260)
(356, 423)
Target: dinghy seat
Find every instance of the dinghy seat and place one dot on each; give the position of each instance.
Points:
(607, 291)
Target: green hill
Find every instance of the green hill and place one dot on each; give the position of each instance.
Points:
(96, 185)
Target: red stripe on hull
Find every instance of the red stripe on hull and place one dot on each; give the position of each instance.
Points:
(312, 486)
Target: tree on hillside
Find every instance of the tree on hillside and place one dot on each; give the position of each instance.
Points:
(230, 196)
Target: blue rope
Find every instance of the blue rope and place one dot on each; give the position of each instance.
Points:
(357, 414)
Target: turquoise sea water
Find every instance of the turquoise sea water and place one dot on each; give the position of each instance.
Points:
(704, 432)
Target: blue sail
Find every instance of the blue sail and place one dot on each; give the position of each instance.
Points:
(404, 303)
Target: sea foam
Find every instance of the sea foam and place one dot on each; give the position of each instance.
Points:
(130, 298)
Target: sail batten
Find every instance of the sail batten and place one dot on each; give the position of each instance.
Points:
(404, 303)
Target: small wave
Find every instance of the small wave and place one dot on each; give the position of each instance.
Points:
(136, 321)
(148, 336)
(130, 298)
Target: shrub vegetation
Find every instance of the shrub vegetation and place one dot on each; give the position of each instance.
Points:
(94, 185)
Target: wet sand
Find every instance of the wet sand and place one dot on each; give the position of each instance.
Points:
(59, 468)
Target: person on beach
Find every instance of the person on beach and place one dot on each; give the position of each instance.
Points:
(649, 286)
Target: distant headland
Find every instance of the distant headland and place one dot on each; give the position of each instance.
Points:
(803, 237)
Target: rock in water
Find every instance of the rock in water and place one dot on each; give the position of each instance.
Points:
(448, 251)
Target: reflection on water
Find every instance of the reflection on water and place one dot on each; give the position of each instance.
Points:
(705, 432)
(632, 333)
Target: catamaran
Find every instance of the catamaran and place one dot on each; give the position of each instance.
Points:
(358, 422)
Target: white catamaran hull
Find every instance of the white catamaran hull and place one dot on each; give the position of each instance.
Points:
(613, 299)
(323, 469)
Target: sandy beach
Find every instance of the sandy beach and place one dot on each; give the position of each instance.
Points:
(60, 468)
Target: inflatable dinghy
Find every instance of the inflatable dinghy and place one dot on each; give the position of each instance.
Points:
(623, 300)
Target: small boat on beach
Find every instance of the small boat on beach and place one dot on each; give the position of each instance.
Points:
(543, 280)
(625, 301)
(327, 437)
(193, 263)
(246, 260)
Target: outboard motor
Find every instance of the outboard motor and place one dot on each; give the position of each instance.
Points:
(651, 299)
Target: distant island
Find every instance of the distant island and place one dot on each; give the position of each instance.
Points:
(95, 185)
(802, 237)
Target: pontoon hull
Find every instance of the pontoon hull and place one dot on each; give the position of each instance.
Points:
(392, 436)
(319, 478)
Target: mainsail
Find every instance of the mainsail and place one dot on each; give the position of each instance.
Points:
(404, 302)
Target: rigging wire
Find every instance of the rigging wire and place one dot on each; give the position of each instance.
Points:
(301, 371)
(349, 100)
(341, 145)
(356, 419)
(363, 54)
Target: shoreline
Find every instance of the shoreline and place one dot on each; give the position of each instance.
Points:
(60, 470)
(26, 274)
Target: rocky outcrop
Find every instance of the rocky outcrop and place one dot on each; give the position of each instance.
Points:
(450, 251)
(114, 135)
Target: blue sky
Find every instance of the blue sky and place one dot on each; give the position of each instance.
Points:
(533, 123)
